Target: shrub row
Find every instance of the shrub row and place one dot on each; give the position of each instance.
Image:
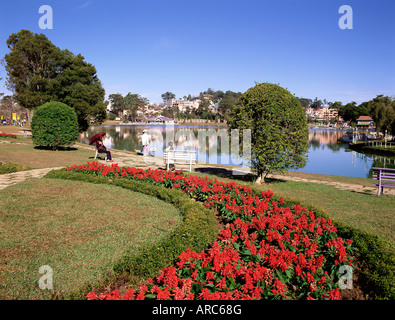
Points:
(268, 250)
(375, 260)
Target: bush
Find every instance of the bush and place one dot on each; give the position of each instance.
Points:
(54, 125)
(111, 116)
(279, 132)
(10, 167)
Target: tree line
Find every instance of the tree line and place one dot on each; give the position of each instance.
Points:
(222, 102)
(381, 109)
(39, 72)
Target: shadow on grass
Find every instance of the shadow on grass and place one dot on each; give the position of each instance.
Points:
(226, 173)
(49, 148)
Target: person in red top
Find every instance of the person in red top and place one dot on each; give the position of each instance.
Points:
(102, 149)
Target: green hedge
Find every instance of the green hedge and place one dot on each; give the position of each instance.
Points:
(197, 231)
(376, 259)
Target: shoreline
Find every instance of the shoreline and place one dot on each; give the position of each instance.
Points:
(362, 148)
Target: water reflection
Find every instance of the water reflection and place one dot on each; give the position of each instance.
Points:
(327, 152)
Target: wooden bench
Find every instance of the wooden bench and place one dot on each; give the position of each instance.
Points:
(180, 157)
(384, 176)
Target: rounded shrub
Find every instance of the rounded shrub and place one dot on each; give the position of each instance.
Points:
(54, 125)
(279, 131)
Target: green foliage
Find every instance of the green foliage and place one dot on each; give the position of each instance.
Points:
(382, 110)
(376, 260)
(39, 72)
(132, 103)
(168, 96)
(10, 167)
(54, 125)
(279, 133)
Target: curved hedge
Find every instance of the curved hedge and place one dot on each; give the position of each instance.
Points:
(198, 229)
(376, 260)
(376, 263)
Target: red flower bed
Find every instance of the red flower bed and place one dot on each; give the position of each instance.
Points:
(7, 135)
(267, 251)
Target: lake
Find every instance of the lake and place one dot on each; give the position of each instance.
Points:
(326, 154)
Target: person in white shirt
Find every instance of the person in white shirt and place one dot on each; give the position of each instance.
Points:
(145, 139)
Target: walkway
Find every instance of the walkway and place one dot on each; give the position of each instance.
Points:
(9, 179)
(339, 185)
(134, 160)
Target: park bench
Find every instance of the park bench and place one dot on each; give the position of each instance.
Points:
(180, 157)
(384, 176)
(27, 133)
(97, 155)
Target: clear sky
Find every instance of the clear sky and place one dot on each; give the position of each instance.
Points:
(186, 46)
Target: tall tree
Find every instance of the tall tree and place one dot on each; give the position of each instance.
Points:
(31, 65)
(168, 96)
(77, 85)
(39, 72)
(305, 102)
(279, 133)
(382, 110)
(227, 103)
(316, 104)
(117, 103)
(133, 102)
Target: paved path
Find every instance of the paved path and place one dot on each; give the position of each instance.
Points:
(339, 185)
(9, 179)
(128, 159)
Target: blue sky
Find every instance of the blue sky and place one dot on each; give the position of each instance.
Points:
(185, 46)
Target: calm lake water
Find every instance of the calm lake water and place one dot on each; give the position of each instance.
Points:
(326, 154)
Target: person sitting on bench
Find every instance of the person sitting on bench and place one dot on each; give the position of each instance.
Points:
(102, 149)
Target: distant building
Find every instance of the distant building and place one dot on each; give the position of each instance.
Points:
(322, 114)
(182, 105)
(365, 122)
(160, 120)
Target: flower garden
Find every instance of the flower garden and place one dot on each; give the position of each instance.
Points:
(265, 250)
(7, 135)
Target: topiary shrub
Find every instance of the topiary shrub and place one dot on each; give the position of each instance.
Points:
(54, 125)
(279, 131)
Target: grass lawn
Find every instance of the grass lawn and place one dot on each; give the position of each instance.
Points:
(80, 230)
(366, 212)
(22, 151)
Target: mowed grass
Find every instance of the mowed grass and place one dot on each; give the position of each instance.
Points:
(80, 230)
(367, 212)
(22, 151)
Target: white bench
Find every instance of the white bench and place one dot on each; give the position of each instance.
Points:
(180, 157)
(97, 155)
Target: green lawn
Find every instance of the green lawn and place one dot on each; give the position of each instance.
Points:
(366, 212)
(80, 230)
